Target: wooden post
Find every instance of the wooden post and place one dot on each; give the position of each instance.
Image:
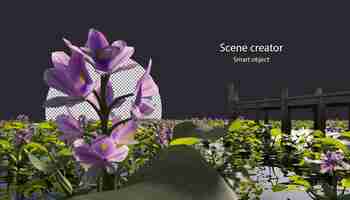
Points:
(257, 113)
(229, 91)
(319, 112)
(232, 102)
(349, 117)
(266, 116)
(286, 122)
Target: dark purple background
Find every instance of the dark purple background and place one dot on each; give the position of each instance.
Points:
(183, 39)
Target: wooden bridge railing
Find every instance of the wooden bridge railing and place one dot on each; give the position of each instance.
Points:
(318, 102)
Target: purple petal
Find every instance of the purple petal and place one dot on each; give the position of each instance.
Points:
(58, 79)
(128, 64)
(77, 49)
(124, 134)
(86, 155)
(96, 40)
(104, 146)
(67, 124)
(325, 168)
(70, 127)
(122, 58)
(79, 74)
(145, 86)
(146, 107)
(119, 154)
(60, 59)
(143, 109)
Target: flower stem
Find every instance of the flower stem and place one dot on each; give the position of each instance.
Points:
(108, 181)
(103, 102)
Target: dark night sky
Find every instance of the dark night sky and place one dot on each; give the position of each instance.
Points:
(183, 40)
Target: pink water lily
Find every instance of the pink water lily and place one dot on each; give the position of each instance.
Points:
(103, 56)
(69, 74)
(146, 88)
(101, 153)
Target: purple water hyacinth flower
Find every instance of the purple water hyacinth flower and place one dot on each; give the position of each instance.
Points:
(71, 128)
(125, 133)
(164, 135)
(23, 118)
(330, 161)
(69, 74)
(103, 56)
(145, 89)
(23, 136)
(101, 153)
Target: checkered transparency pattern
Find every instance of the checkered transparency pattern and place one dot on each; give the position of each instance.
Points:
(122, 83)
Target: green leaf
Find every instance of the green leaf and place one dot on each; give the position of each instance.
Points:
(318, 134)
(46, 125)
(14, 125)
(65, 152)
(345, 182)
(64, 182)
(279, 187)
(235, 125)
(345, 135)
(33, 146)
(298, 180)
(5, 145)
(332, 142)
(37, 163)
(293, 187)
(185, 141)
(276, 132)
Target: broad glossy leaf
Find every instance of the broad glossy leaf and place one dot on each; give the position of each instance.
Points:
(38, 164)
